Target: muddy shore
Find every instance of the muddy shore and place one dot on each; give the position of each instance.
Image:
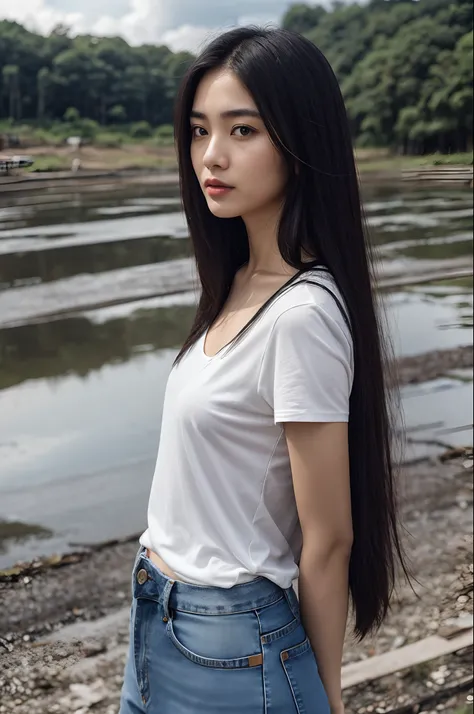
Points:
(64, 622)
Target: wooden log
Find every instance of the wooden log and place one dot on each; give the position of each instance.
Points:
(439, 169)
(403, 658)
(441, 174)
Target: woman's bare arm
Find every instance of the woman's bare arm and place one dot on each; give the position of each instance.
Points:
(319, 456)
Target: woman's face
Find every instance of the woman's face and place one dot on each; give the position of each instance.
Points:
(230, 144)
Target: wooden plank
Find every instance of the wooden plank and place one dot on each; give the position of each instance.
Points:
(447, 172)
(430, 169)
(403, 658)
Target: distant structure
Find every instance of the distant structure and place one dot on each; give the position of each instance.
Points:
(12, 163)
(75, 142)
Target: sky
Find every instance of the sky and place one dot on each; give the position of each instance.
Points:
(180, 24)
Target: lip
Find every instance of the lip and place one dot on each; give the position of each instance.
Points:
(215, 183)
(217, 191)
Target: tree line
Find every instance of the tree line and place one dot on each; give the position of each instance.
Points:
(104, 79)
(405, 68)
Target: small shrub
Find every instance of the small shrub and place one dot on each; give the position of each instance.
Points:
(49, 163)
(109, 139)
(117, 114)
(141, 130)
(72, 115)
(164, 135)
(88, 128)
(45, 137)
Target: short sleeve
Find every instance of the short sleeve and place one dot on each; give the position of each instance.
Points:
(306, 372)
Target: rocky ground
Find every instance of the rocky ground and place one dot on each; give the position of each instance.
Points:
(64, 621)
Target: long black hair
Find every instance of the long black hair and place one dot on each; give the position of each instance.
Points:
(299, 99)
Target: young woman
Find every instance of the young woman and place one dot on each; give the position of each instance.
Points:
(274, 461)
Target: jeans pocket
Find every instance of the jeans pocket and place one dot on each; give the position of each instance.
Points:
(220, 641)
(304, 680)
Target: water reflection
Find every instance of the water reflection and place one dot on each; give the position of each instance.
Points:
(80, 345)
(77, 453)
(431, 316)
(421, 318)
(438, 414)
(18, 533)
(48, 207)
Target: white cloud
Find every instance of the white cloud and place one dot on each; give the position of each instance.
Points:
(145, 22)
(264, 20)
(193, 38)
(180, 24)
(188, 37)
(38, 16)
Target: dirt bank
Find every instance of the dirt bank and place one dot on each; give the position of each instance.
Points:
(55, 163)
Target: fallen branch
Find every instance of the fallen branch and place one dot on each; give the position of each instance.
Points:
(456, 452)
(431, 442)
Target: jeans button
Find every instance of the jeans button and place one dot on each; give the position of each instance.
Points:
(142, 577)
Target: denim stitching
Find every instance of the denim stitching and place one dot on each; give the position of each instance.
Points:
(293, 653)
(243, 608)
(266, 690)
(239, 663)
(287, 674)
(278, 634)
(294, 606)
(298, 650)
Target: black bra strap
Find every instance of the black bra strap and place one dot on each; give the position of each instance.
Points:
(334, 297)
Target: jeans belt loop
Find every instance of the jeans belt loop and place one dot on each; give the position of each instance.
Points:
(166, 598)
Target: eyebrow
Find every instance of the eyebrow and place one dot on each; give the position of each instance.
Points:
(229, 114)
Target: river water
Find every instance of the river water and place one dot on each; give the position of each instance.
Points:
(82, 384)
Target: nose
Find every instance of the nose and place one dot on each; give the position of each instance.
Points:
(215, 155)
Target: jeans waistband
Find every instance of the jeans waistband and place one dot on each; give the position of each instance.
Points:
(151, 583)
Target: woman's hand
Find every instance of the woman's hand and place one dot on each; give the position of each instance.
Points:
(338, 708)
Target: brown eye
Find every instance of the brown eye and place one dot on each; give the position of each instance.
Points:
(246, 130)
(195, 131)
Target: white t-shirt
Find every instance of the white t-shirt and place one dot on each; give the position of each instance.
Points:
(222, 509)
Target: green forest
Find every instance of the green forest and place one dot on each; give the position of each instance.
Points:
(405, 68)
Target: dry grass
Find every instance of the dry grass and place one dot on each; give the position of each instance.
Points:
(380, 160)
(98, 158)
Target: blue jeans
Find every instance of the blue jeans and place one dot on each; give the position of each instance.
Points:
(209, 650)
